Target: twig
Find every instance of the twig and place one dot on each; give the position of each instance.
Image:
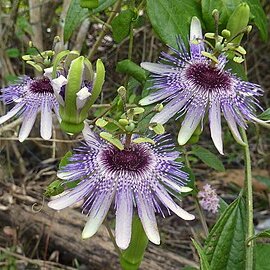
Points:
(95, 47)
(36, 261)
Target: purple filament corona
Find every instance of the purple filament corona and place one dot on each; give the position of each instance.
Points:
(134, 178)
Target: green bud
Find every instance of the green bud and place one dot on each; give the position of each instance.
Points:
(226, 33)
(130, 127)
(215, 13)
(238, 21)
(123, 122)
(249, 28)
(122, 92)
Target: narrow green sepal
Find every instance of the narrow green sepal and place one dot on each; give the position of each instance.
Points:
(57, 60)
(97, 87)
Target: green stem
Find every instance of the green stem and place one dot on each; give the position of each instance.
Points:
(198, 206)
(107, 225)
(249, 202)
(95, 47)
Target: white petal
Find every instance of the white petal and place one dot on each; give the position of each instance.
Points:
(148, 219)
(90, 137)
(195, 29)
(123, 219)
(82, 97)
(11, 113)
(97, 214)
(48, 72)
(188, 127)
(158, 68)
(46, 121)
(27, 124)
(156, 96)
(169, 110)
(171, 184)
(233, 126)
(167, 201)
(215, 126)
(264, 123)
(57, 84)
(196, 46)
(67, 199)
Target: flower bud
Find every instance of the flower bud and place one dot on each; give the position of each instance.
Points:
(238, 21)
(78, 92)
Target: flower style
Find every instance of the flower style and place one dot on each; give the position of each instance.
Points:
(30, 97)
(208, 199)
(133, 177)
(193, 85)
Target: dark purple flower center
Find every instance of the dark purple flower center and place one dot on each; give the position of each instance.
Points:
(41, 85)
(133, 159)
(208, 77)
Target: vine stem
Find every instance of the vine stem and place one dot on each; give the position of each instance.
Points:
(107, 225)
(95, 47)
(249, 202)
(199, 209)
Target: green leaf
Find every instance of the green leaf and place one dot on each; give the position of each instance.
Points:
(121, 25)
(13, 52)
(265, 115)
(171, 18)
(109, 137)
(204, 265)
(128, 67)
(75, 15)
(65, 160)
(236, 69)
(54, 188)
(259, 18)
(225, 245)
(222, 206)
(208, 158)
(131, 257)
(103, 4)
(262, 258)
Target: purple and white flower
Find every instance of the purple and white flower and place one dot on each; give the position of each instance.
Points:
(30, 97)
(137, 177)
(208, 199)
(190, 84)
